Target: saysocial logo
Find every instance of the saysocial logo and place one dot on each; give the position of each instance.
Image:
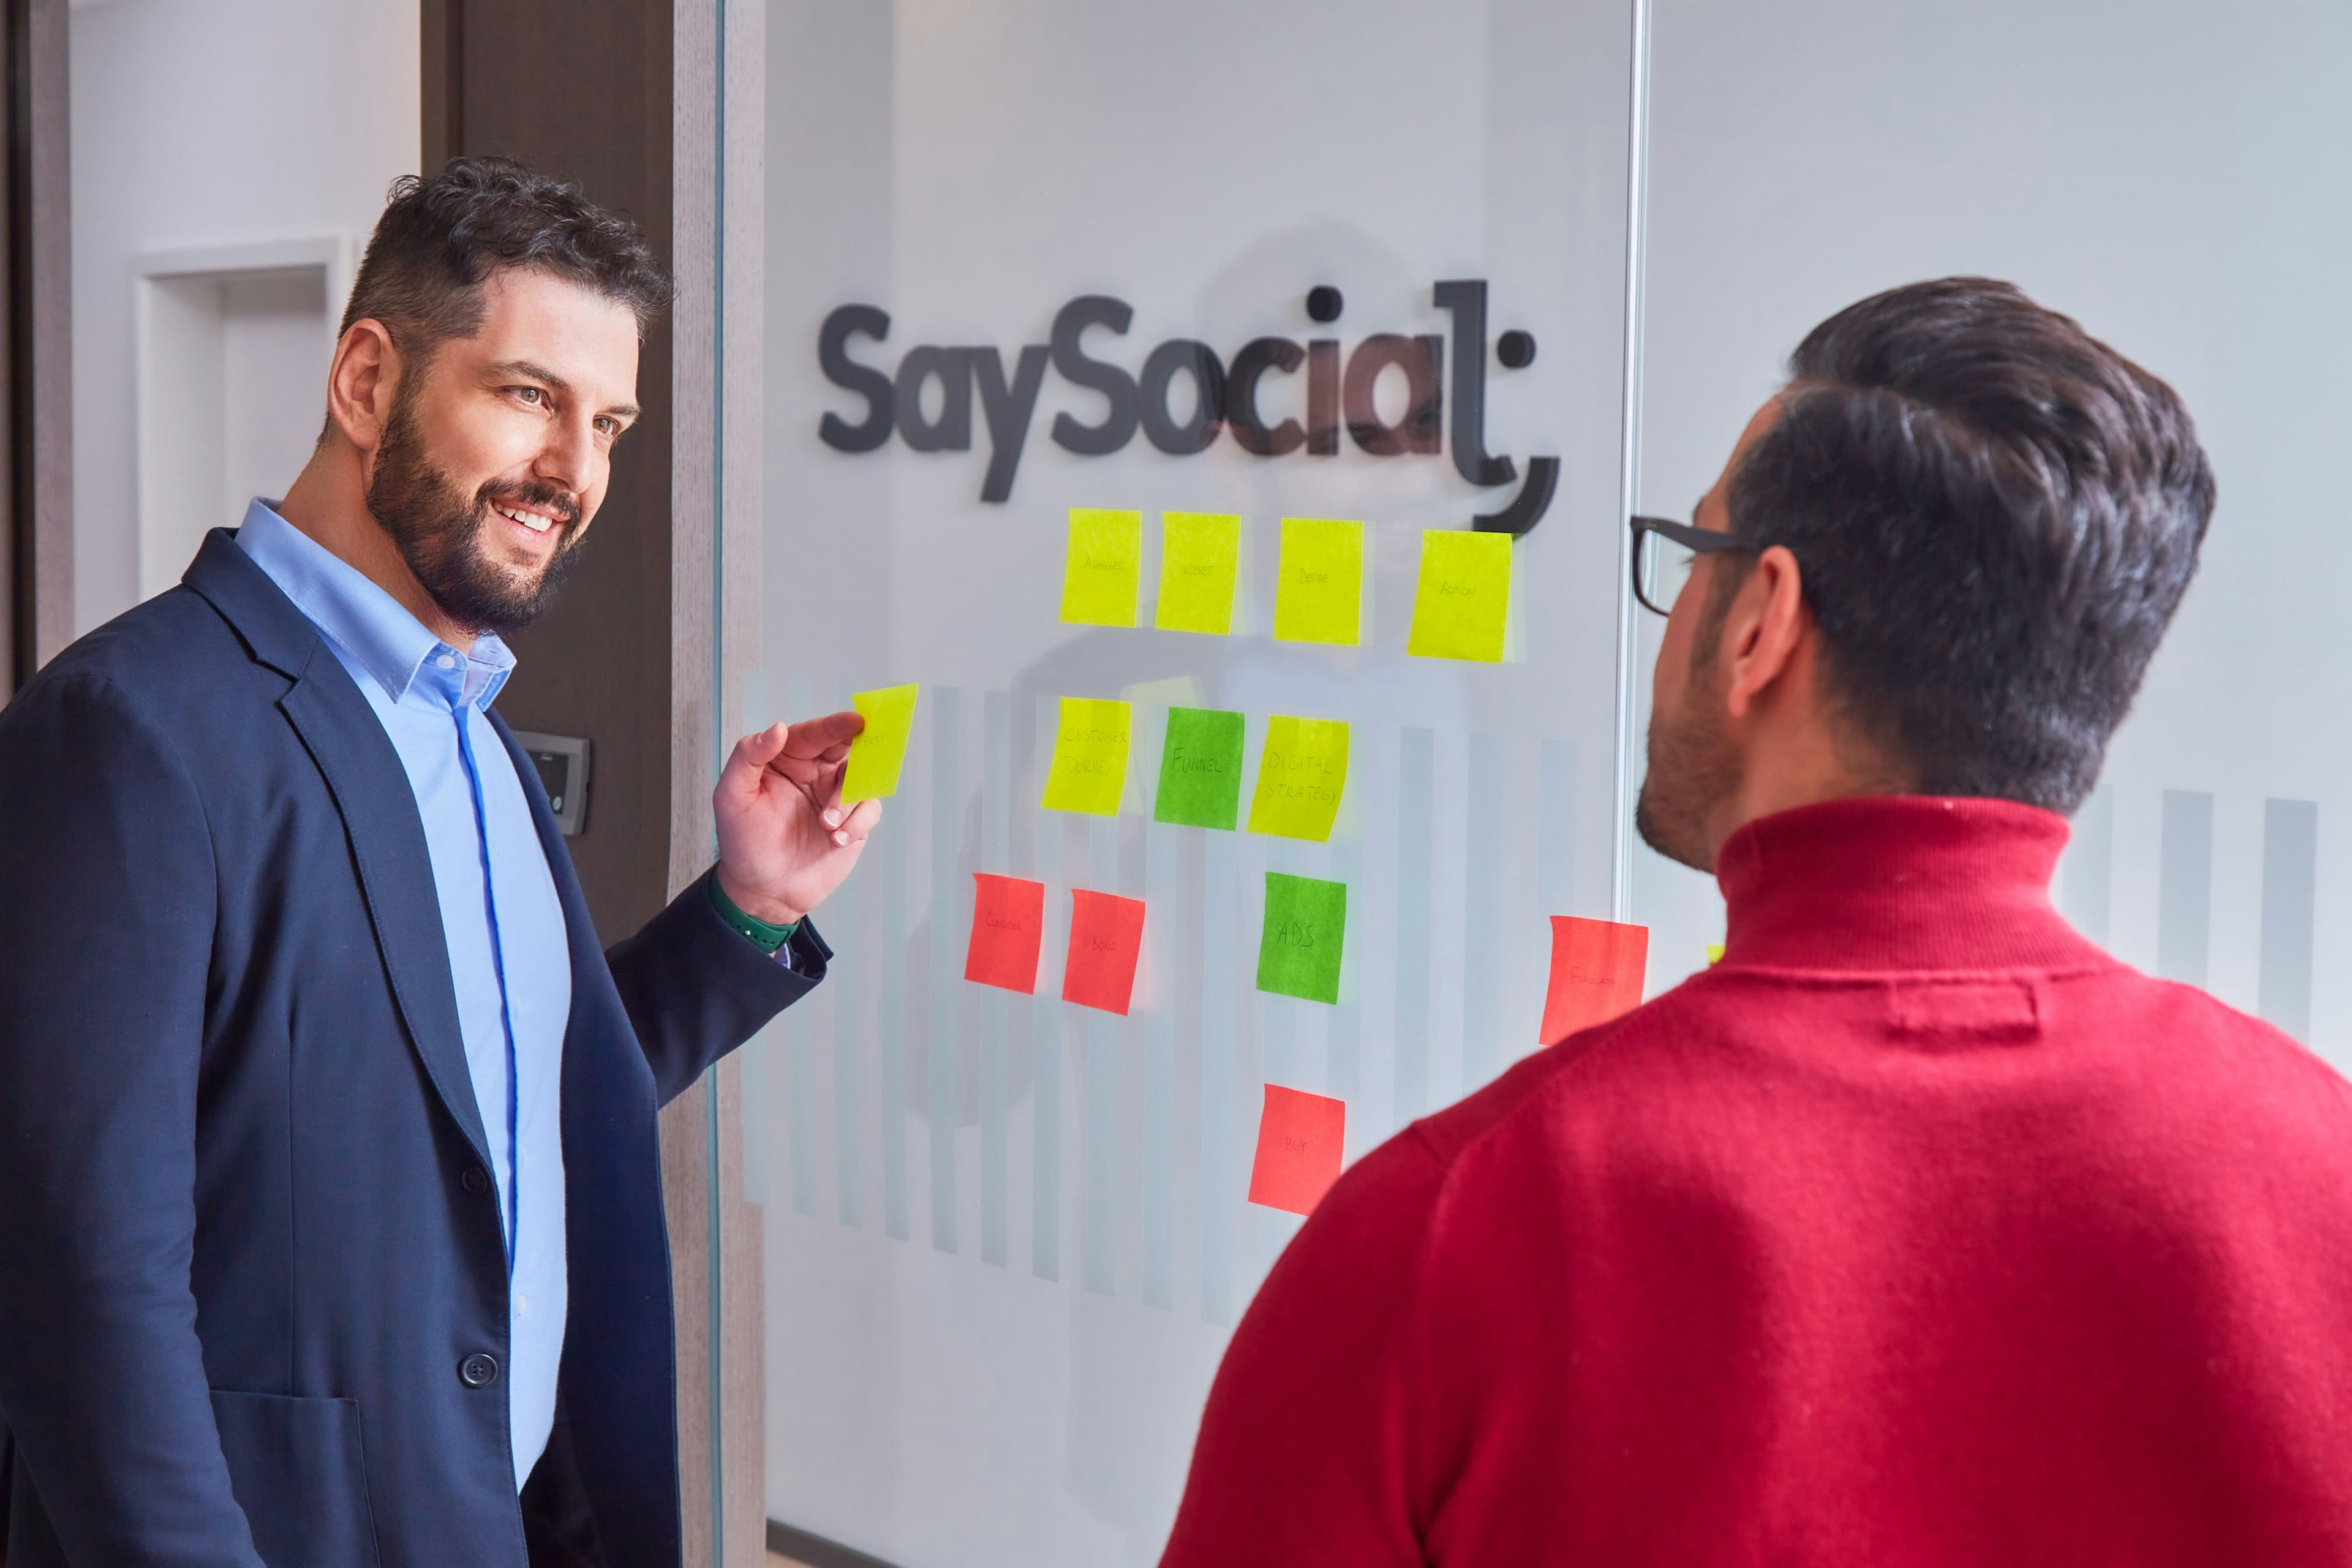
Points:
(1223, 395)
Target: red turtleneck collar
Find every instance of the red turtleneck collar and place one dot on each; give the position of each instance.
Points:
(1886, 883)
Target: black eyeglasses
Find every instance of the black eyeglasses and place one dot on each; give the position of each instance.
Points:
(1663, 554)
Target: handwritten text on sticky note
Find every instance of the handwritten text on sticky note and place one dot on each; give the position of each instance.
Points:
(1106, 939)
(1300, 776)
(1597, 971)
(1201, 769)
(1301, 1138)
(1319, 593)
(1088, 772)
(1305, 932)
(1008, 927)
(1105, 567)
(1200, 559)
(880, 749)
(1464, 597)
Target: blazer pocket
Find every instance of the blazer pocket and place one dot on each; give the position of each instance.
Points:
(300, 1475)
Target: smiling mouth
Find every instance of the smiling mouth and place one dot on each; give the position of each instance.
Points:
(536, 521)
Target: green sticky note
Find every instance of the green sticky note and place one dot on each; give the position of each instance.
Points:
(1306, 925)
(1105, 568)
(1465, 594)
(1300, 777)
(1088, 772)
(880, 749)
(1200, 557)
(1201, 769)
(1318, 594)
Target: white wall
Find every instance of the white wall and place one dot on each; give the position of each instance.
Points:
(216, 124)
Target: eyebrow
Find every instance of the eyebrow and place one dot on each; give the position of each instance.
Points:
(531, 370)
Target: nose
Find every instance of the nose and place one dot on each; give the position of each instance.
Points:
(568, 457)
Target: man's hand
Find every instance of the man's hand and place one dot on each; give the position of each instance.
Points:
(784, 839)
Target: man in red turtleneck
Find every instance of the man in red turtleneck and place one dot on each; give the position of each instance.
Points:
(1918, 1230)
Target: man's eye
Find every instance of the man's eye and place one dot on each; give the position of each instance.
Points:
(531, 394)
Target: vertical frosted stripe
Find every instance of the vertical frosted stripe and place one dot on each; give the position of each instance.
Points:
(1221, 1191)
(1158, 1030)
(1556, 829)
(995, 855)
(2087, 881)
(945, 931)
(2184, 904)
(1046, 1070)
(1482, 912)
(1344, 1071)
(851, 914)
(1099, 1202)
(1415, 784)
(891, 1007)
(2290, 893)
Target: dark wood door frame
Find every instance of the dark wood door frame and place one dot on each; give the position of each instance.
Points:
(37, 394)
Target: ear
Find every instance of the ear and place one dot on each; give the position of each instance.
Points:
(1764, 628)
(361, 383)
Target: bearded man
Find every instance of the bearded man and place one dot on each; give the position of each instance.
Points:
(330, 1198)
(1918, 1230)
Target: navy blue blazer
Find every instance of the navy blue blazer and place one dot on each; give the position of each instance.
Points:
(250, 1261)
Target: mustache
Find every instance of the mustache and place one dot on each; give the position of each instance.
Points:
(538, 497)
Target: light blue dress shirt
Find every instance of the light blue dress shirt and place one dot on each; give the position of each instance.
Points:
(508, 952)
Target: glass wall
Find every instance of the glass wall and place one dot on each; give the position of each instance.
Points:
(2179, 186)
(1273, 263)
(1226, 261)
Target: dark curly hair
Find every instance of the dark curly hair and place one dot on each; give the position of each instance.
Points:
(1995, 515)
(440, 239)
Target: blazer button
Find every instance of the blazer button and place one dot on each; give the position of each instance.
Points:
(479, 1371)
(476, 1180)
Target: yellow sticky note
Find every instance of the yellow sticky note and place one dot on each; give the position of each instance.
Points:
(1300, 777)
(880, 749)
(1319, 594)
(1463, 596)
(1105, 568)
(1715, 952)
(1200, 556)
(1088, 772)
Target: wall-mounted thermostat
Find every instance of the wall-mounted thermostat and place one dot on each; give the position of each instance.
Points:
(563, 764)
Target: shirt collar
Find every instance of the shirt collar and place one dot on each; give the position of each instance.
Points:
(1899, 882)
(380, 637)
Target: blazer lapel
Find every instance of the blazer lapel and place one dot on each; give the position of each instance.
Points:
(371, 789)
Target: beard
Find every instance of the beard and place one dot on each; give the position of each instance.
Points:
(1694, 769)
(439, 533)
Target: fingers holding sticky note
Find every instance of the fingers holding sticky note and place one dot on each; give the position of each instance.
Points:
(1464, 598)
(1318, 593)
(1089, 770)
(880, 749)
(1200, 561)
(1300, 777)
(1301, 1138)
(1104, 571)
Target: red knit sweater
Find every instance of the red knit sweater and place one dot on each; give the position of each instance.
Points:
(1917, 1231)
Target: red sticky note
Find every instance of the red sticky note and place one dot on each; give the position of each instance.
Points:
(1299, 1137)
(1106, 939)
(1008, 923)
(1597, 970)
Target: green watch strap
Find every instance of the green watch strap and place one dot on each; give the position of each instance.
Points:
(768, 939)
